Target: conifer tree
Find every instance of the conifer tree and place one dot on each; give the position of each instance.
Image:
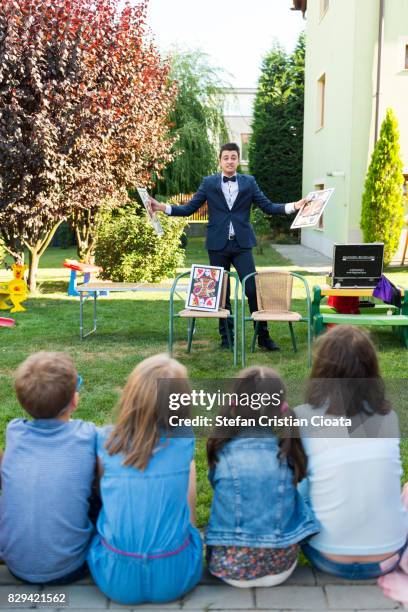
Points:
(276, 145)
(382, 212)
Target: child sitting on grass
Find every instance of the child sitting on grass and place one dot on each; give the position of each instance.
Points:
(47, 474)
(354, 464)
(146, 548)
(258, 518)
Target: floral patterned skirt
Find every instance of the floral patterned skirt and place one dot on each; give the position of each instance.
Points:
(247, 563)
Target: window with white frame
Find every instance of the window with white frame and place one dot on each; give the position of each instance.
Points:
(320, 225)
(321, 95)
(324, 7)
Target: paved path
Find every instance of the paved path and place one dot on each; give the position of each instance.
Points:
(304, 258)
(308, 259)
(305, 590)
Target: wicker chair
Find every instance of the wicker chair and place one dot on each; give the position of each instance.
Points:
(274, 296)
(193, 315)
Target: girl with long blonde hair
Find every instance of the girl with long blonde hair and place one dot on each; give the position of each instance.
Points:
(147, 548)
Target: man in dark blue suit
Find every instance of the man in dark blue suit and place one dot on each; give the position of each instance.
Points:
(230, 236)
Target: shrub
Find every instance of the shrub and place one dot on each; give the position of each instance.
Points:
(261, 225)
(129, 250)
(382, 212)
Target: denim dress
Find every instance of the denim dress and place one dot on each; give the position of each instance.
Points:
(255, 502)
(146, 549)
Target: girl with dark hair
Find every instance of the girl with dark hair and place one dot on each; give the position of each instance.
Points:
(354, 470)
(257, 516)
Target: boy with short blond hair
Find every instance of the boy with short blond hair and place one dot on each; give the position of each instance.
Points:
(45, 384)
(47, 474)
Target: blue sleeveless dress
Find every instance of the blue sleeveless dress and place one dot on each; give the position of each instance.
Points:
(146, 549)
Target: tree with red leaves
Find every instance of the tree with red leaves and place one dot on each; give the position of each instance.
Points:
(84, 101)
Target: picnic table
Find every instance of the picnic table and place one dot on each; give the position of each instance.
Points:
(383, 315)
(94, 289)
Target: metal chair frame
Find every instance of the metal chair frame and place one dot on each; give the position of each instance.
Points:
(191, 320)
(307, 319)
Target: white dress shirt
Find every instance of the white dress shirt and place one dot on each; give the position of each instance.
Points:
(230, 191)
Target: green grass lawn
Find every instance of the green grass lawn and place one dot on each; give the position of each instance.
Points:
(133, 326)
(196, 253)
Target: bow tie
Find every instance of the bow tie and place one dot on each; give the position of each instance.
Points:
(229, 178)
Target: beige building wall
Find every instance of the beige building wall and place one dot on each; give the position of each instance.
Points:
(342, 44)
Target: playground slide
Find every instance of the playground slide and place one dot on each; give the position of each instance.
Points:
(6, 322)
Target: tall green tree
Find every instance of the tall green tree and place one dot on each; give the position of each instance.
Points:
(382, 212)
(197, 122)
(276, 145)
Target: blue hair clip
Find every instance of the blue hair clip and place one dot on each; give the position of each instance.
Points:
(80, 380)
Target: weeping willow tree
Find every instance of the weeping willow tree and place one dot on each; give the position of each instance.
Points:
(197, 121)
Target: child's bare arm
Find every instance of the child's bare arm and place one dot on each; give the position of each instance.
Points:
(192, 492)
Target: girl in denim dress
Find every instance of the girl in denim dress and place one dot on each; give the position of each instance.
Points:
(257, 516)
(147, 548)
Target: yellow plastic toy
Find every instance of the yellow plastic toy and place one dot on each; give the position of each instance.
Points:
(15, 291)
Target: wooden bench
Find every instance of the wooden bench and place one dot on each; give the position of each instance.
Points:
(376, 309)
(397, 319)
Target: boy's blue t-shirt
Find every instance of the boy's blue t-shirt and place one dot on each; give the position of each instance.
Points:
(47, 473)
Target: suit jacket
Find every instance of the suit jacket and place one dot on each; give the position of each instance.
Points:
(219, 214)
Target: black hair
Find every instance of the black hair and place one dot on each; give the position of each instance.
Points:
(230, 146)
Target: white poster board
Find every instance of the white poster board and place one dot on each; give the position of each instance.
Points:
(144, 197)
(310, 213)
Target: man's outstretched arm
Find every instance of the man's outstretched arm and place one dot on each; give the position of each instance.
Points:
(183, 210)
(260, 199)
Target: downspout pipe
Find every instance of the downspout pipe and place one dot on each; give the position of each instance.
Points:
(379, 60)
